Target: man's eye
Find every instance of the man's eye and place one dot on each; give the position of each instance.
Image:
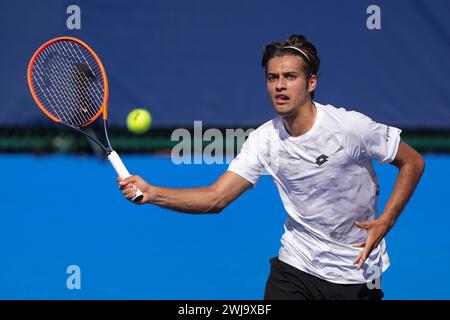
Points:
(271, 78)
(291, 77)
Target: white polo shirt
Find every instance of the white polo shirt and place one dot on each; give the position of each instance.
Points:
(326, 182)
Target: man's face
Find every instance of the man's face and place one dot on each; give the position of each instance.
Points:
(286, 84)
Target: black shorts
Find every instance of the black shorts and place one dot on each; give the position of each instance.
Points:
(288, 283)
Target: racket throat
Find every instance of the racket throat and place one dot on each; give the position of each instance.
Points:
(91, 137)
(109, 149)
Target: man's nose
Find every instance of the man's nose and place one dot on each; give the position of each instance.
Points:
(281, 84)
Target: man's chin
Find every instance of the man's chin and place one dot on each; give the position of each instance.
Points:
(283, 110)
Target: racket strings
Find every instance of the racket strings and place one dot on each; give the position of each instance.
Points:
(68, 82)
(76, 95)
(81, 80)
(62, 93)
(85, 102)
(84, 76)
(50, 97)
(59, 98)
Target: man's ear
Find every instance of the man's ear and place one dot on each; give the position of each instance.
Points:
(312, 84)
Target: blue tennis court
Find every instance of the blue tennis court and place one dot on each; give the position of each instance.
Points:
(61, 210)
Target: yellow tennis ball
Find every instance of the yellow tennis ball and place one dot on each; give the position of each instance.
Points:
(139, 121)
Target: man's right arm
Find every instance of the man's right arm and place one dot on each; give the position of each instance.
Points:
(210, 199)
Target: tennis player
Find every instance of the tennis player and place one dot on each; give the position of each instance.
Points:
(320, 158)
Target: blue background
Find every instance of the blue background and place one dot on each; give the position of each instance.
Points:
(55, 212)
(200, 59)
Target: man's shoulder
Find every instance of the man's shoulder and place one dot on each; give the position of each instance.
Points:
(268, 127)
(347, 119)
(342, 113)
(268, 131)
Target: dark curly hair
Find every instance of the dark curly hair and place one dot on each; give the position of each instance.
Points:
(311, 63)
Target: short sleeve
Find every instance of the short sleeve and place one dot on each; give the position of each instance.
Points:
(247, 163)
(368, 139)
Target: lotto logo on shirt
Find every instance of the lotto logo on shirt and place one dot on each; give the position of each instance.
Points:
(321, 159)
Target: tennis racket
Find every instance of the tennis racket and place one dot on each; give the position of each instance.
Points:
(68, 82)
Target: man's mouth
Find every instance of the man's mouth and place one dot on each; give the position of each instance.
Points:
(280, 98)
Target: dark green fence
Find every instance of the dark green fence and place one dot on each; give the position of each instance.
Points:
(60, 140)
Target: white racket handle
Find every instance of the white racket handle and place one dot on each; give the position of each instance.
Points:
(122, 171)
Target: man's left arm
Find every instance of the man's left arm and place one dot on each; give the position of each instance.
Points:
(411, 166)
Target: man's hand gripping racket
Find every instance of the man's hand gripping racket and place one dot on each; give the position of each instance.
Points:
(69, 84)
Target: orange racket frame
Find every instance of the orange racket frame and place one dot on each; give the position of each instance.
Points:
(103, 109)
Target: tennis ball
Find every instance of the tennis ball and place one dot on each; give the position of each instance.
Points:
(139, 121)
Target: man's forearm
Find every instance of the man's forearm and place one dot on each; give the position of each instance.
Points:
(407, 180)
(190, 200)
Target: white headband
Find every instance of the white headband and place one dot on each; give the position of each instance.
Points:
(295, 48)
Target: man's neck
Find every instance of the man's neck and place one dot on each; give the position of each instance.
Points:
(302, 121)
